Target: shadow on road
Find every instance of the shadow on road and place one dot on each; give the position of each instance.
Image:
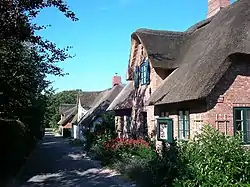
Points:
(56, 163)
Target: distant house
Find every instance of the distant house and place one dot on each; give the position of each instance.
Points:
(64, 109)
(101, 103)
(84, 103)
(200, 76)
(72, 113)
(122, 105)
(67, 112)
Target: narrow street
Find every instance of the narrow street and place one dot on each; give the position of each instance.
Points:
(56, 163)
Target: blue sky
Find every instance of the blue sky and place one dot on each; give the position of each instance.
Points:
(101, 38)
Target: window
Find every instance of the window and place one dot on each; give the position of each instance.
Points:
(164, 114)
(242, 123)
(136, 77)
(144, 73)
(183, 124)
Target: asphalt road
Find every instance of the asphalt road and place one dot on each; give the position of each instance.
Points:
(56, 163)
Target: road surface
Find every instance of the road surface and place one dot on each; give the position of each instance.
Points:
(56, 163)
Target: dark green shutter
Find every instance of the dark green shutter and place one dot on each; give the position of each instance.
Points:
(147, 67)
(136, 78)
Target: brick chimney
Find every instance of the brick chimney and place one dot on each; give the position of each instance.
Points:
(214, 6)
(116, 80)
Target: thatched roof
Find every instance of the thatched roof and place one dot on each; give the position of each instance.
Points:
(65, 107)
(162, 46)
(124, 99)
(70, 114)
(206, 55)
(101, 103)
(74, 120)
(87, 98)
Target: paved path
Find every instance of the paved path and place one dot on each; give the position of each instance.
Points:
(56, 163)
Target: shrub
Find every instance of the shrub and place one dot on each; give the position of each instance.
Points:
(213, 159)
(16, 145)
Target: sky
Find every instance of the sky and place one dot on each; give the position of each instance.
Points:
(101, 38)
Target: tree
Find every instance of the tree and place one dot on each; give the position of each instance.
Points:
(26, 58)
(25, 61)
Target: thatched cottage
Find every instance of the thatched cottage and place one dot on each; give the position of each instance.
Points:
(72, 113)
(88, 108)
(98, 106)
(196, 77)
(122, 105)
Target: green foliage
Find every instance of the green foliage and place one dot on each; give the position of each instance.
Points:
(213, 159)
(16, 145)
(26, 61)
(101, 132)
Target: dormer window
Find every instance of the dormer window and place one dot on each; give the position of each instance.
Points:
(144, 73)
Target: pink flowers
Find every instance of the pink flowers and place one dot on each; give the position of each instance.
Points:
(122, 143)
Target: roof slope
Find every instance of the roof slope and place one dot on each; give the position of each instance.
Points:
(69, 114)
(206, 54)
(87, 98)
(162, 46)
(74, 120)
(101, 103)
(65, 107)
(124, 99)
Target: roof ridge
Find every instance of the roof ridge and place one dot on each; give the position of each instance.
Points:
(159, 32)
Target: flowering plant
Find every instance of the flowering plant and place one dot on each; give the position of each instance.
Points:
(125, 144)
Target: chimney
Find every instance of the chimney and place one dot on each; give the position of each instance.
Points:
(116, 80)
(214, 6)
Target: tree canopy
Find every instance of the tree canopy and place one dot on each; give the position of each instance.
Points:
(26, 59)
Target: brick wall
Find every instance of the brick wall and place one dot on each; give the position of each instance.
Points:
(233, 90)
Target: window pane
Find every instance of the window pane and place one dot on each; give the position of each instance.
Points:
(247, 114)
(181, 135)
(239, 114)
(180, 115)
(186, 116)
(186, 135)
(180, 124)
(186, 127)
(239, 125)
(247, 128)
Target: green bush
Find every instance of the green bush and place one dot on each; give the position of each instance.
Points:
(16, 145)
(137, 160)
(213, 159)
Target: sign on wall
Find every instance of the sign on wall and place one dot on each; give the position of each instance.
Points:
(165, 129)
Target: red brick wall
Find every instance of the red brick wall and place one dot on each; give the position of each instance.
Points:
(233, 90)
